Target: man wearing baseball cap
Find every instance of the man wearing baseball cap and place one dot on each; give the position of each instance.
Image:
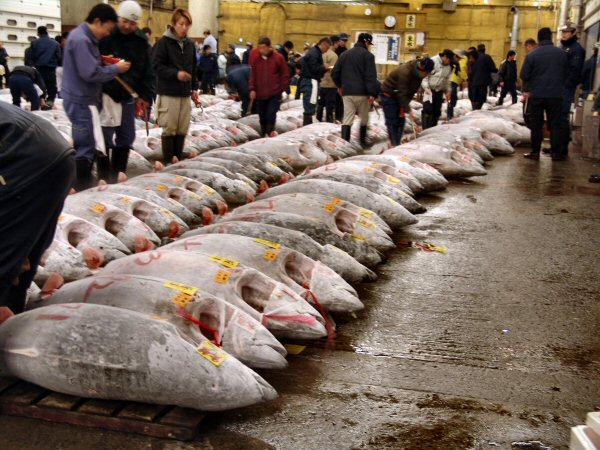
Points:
(436, 86)
(398, 90)
(355, 74)
(126, 42)
(575, 60)
(343, 42)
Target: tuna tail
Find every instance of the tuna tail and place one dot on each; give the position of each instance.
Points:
(222, 207)
(53, 282)
(174, 230)
(250, 197)
(262, 186)
(5, 314)
(93, 257)
(207, 216)
(158, 166)
(121, 177)
(143, 244)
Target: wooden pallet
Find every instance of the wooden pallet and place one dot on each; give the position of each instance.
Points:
(19, 398)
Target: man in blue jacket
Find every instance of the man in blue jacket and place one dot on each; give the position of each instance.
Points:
(83, 75)
(545, 71)
(481, 77)
(238, 81)
(45, 57)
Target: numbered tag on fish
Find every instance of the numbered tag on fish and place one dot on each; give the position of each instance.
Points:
(178, 179)
(366, 213)
(189, 290)
(213, 353)
(366, 223)
(329, 207)
(99, 208)
(160, 187)
(368, 170)
(225, 262)
(167, 213)
(394, 180)
(404, 158)
(222, 276)
(182, 299)
(267, 243)
(376, 165)
(271, 255)
(358, 237)
(207, 190)
(336, 201)
(125, 199)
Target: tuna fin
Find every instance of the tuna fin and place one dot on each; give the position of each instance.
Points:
(122, 177)
(262, 186)
(222, 206)
(175, 160)
(143, 244)
(158, 166)
(93, 257)
(53, 282)
(5, 313)
(207, 216)
(102, 183)
(174, 230)
(250, 197)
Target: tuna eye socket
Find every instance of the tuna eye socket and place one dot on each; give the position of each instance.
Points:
(254, 297)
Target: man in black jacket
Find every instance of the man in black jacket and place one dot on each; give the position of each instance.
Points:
(37, 169)
(588, 73)
(545, 72)
(575, 60)
(313, 70)
(45, 57)
(481, 78)
(508, 77)
(355, 74)
(129, 43)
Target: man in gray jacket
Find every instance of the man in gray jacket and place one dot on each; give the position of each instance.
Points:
(437, 86)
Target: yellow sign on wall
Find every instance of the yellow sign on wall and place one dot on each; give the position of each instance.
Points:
(411, 21)
(410, 39)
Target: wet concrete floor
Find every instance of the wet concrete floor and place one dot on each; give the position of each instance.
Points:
(493, 345)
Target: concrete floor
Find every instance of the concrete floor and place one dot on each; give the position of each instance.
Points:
(493, 345)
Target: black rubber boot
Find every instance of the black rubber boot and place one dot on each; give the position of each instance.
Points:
(329, 115)
(363, 135)
(320, 113)
(83, 168)
(307, 120)
(179, 144)
(346, 132)
(118, 162)
(103, 165)
(168, 149)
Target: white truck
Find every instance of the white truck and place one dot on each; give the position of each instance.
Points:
(19, 20)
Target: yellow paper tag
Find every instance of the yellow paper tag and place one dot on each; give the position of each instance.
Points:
(222, 276)
(182, 299)
(368, 170)
(160, 187)
(366, 213)
(273, 164)
(157, 317)
(178, 179)
(189, 290)
(225, 262)
(167, 213)
(207, 189)
(404, 158)
(61, 218)
(358, 237)
(267, 243)
(329, 207)
(271, 255)
(394, 180)
(213, 353)
(125, 199)
(366, 223)
(293, 349)
(99, 208)
(194, 195)
(376, 165)
(336, 201)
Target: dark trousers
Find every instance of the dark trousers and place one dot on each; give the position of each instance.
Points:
(433, 110)
(124, 135)
(535, 111)
(394, 118)
(510, 87)
(339, 107)
(479, 96)
(453, 100)
(49, 76)
(327, 100)
(267, 113)
(29, 216)
(23, 85)
(208, 83)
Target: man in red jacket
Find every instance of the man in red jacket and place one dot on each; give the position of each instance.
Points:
(269, 77)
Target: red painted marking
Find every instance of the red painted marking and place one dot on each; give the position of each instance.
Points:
(258, 205)
(70, 306)
(188, 243)
(96, 285)
(55, 317)
(330, 167)
(152, 256)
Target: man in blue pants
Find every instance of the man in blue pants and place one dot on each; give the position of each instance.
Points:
(22, 83)
(83, 75)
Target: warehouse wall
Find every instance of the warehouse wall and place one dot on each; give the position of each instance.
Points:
(469, 25)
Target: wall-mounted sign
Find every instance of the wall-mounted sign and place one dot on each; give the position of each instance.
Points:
(410, 40)
(411, 21)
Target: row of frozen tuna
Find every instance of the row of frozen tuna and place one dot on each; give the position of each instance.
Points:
(219, 295)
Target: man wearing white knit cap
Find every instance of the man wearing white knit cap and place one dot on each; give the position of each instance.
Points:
(119, 105)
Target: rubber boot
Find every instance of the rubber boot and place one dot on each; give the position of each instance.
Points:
(329, 115)
(320, 113)
(168, 149)
(83, 180)
(103, 165)
(307, 120)
(119, 158)
(178, 147)
(363, 135)
(346, 132)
